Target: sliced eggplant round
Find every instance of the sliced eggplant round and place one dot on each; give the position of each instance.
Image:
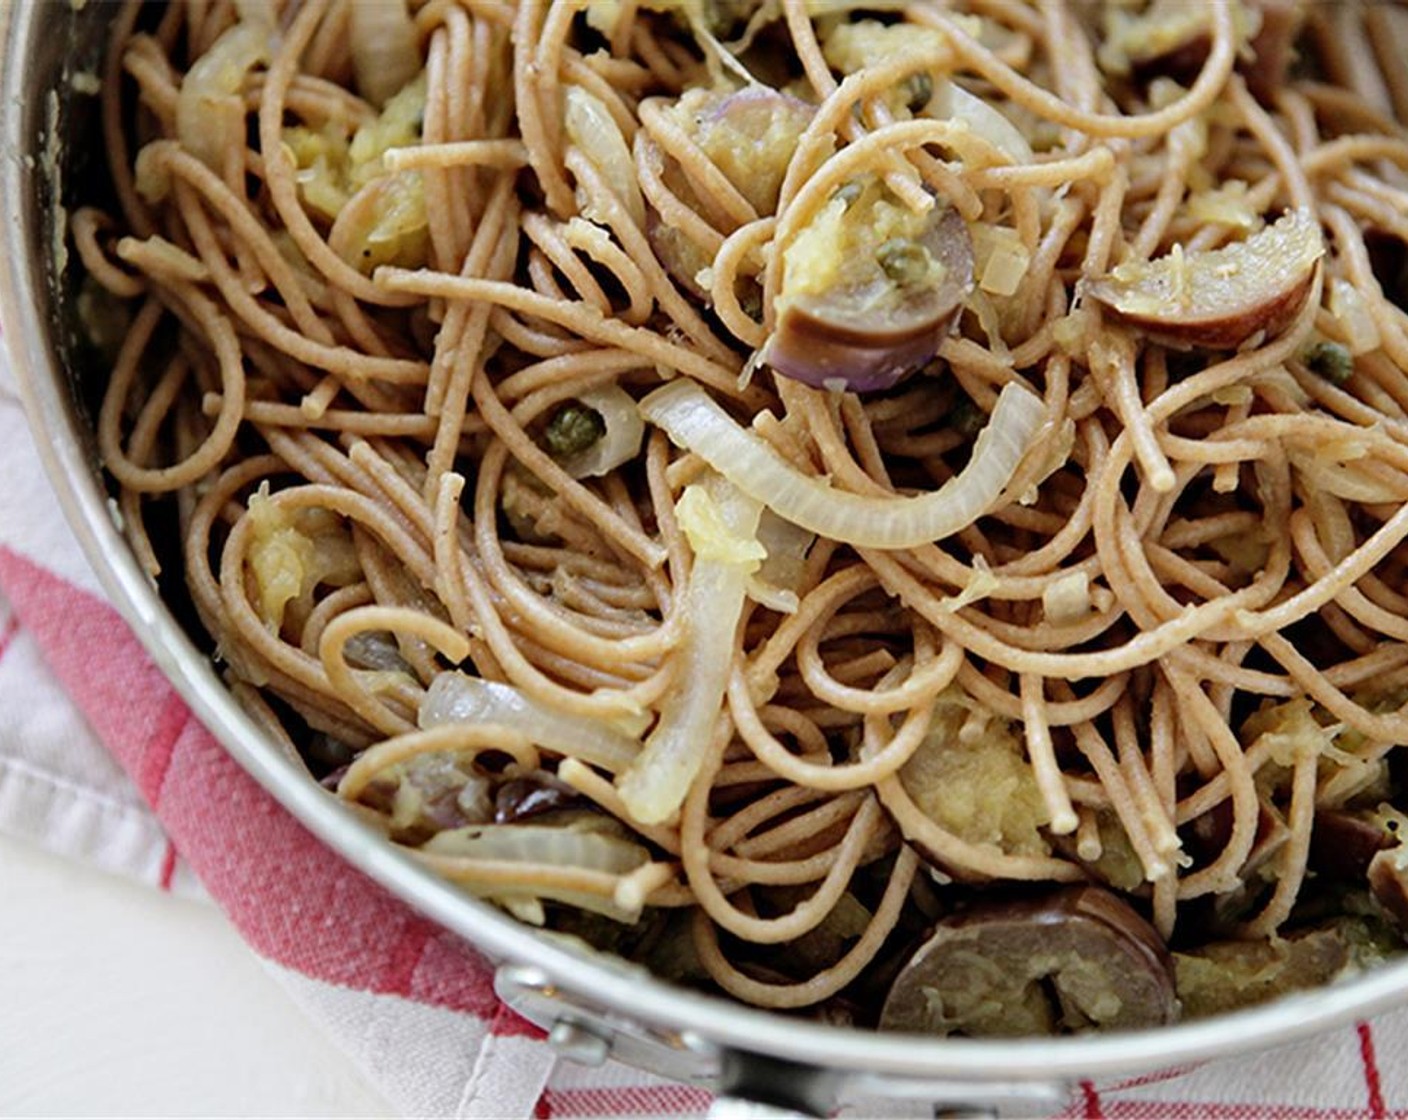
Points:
(1225, 975)
(749, 135)
(869, 291)
(1072, 959)
(1344, 843)
(1219, 299)
(1388, 883)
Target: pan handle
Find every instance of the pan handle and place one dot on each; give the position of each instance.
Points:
(758, 1087)
(750, 1086)
(737, 1108)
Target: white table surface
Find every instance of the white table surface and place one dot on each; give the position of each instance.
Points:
(117, 1000)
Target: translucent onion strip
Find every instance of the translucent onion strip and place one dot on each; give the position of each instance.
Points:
(694, 421)
(523, 864)
(721, 523)
(385, 54)
(457, 698)
(591, 128)
(209, 112)
(776, 583)
(956, 103)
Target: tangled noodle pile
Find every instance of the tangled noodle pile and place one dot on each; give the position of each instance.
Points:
(778, 489)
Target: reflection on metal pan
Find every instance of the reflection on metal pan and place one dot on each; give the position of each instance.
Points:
(594, 1006)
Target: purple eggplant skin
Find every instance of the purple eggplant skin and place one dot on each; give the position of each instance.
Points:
(810, 350)
(1388, 883)
(1075, 958)
(1343, 844)
(833, 339)
(520, 799)
(749, 135)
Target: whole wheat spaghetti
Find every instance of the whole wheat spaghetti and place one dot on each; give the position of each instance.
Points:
(783, 491)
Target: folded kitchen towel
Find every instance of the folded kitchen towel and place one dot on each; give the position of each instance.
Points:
(101, 761)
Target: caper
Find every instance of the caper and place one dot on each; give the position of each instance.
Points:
(966, 418)
(905, 262)
(751, 300)
(1331, 361)
(920, 91)
(848, 192)
(573, 429)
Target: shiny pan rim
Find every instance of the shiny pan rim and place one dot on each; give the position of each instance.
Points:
(713, 1022)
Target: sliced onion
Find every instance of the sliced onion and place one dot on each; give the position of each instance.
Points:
(1058, 454)
(582, 844)
(1347, 305)
(591, 128)
(726, 555)
(385, 53)
(1067, 599)
(602, 16)
(1332, 470)
(208, 108)
(721, 524)
(776, 583)
(621, 441)
(694, 421)
(1001, 259)
(375, 649)
(952, 102)
(580, 864)
(454, 697)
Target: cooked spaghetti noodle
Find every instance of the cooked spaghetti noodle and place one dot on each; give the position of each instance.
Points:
(771, 474)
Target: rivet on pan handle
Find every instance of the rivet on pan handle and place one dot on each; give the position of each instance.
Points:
(585, 1032)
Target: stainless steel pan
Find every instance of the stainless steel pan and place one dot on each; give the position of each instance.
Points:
(593, 1007)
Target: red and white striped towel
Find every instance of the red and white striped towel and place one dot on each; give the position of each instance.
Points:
(101, 761)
